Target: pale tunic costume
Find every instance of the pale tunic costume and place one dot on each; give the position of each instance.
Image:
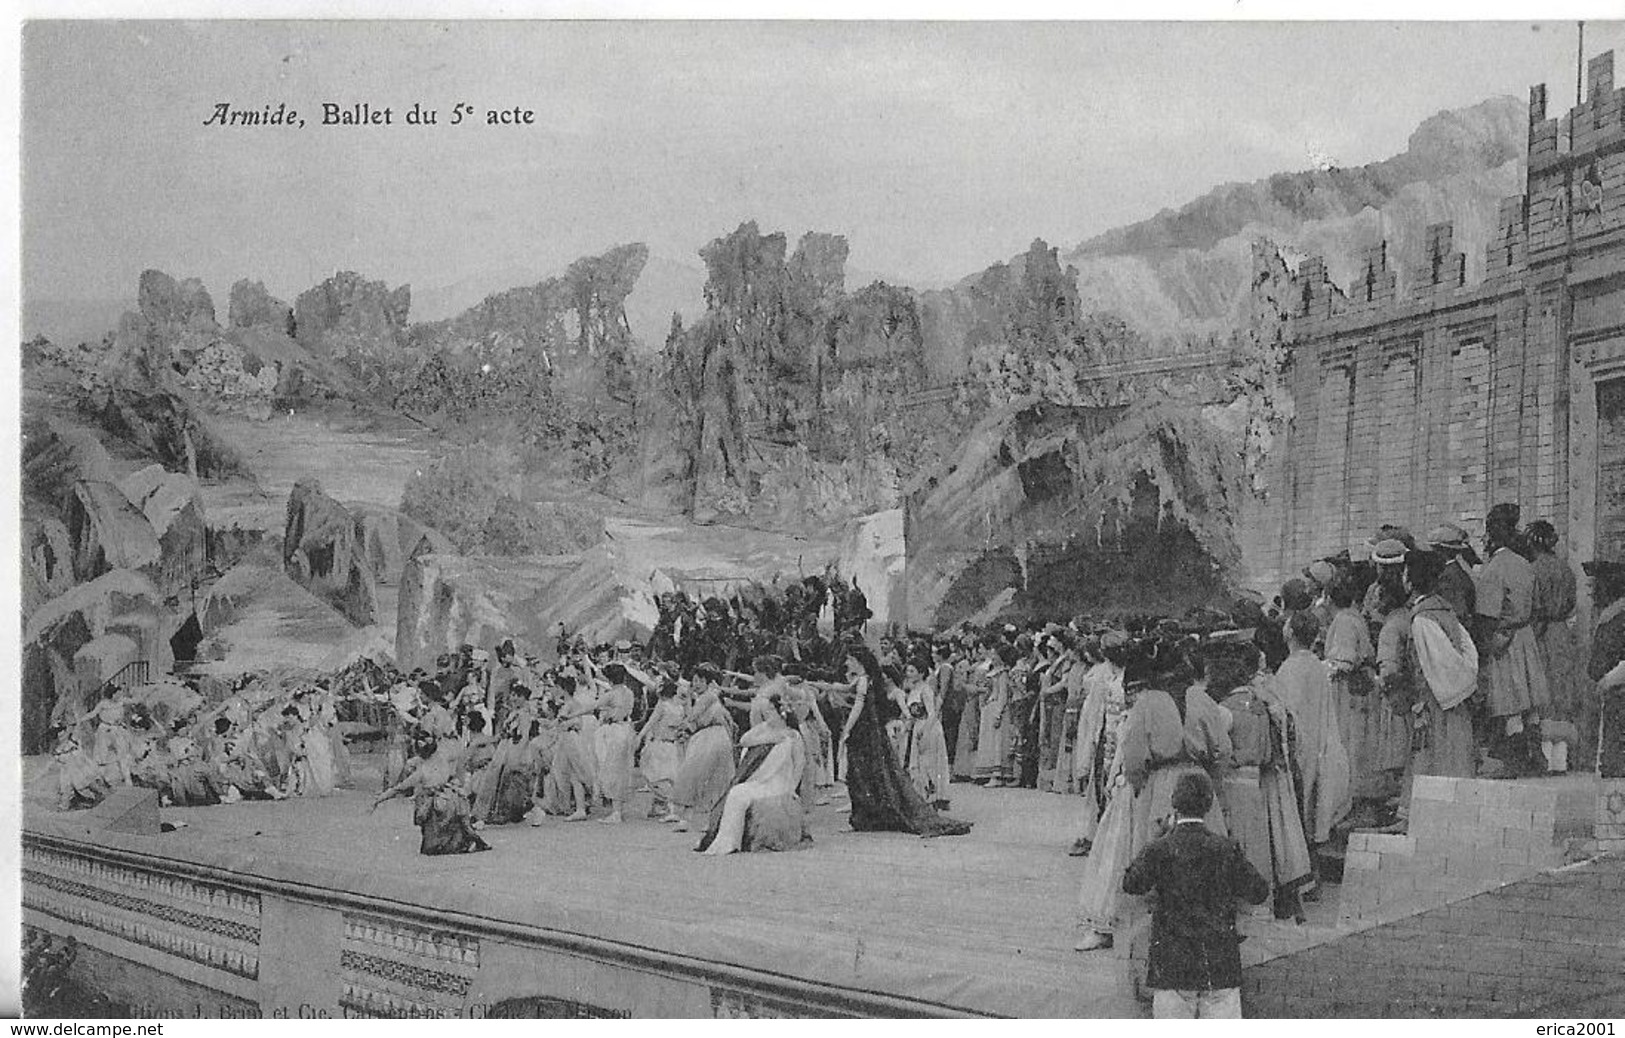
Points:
(1513, 678)
(800, 700)
(80, 780)
(1156, 746)
(1443, 741)
(993, 736)
(575, 760)
(973, 679)
(1075, 681)
(1261, 800)
(1372, 735)
(661, 757)
(317, 747)
(708, 763)
(926, 751)
(339, 751)
(1099, 726)
(779, 775)
(613, 744)
(112, 745)
(1305, 688)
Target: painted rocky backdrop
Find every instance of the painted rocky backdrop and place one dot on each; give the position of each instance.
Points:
(332, 457)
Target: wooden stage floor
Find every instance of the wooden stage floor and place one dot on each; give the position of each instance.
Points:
(983, 923)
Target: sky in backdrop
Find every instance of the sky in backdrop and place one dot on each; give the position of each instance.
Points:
(936, 148)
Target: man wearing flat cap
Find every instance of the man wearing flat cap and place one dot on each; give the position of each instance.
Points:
(1607, 669)
(1511, 673)
(1456, 583)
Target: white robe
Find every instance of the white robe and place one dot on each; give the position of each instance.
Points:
(779, 775)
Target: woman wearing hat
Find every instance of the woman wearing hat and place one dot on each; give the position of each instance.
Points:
(1456, 582)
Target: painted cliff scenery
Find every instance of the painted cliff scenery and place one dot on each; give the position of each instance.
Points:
(803, 436)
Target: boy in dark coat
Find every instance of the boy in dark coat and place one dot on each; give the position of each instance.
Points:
(1194, 876)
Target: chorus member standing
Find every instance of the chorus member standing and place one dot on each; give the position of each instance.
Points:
(1259, 794)
(1095, 744)
(994, 739)
(801, 704)
(1510, 669)
(1442, 665)
(950, 697)
(1165, 734)
(612, 742)
(1305, 687)
(708, 763)
(661, 758)
(926, 756)
(1351, 659)
(1555, 598)
(1061, 684)
(1456, 582)
(574, 762)
(971, 678)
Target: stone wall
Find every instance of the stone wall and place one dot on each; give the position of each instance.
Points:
(1421, 398)
(1465, 836)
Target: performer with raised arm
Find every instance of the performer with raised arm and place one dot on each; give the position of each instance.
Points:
(440, 802)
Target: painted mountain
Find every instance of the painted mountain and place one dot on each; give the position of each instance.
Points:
(1184, 272)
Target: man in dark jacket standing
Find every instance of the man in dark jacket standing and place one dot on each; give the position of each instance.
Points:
(1195, 877)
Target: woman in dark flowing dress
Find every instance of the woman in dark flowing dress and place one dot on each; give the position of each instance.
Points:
(883, 797)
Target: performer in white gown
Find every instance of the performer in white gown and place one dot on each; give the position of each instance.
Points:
(778, 775)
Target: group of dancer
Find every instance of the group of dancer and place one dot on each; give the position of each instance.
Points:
(746, 758)
(1303, 713)
(804, 621)
(255, 743)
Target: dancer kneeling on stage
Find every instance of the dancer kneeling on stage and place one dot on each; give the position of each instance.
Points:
(440, 803)
(764, 790)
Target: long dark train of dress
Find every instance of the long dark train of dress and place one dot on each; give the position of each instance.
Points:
(883, 797)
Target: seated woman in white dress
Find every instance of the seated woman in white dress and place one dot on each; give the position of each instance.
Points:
(775, 778)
